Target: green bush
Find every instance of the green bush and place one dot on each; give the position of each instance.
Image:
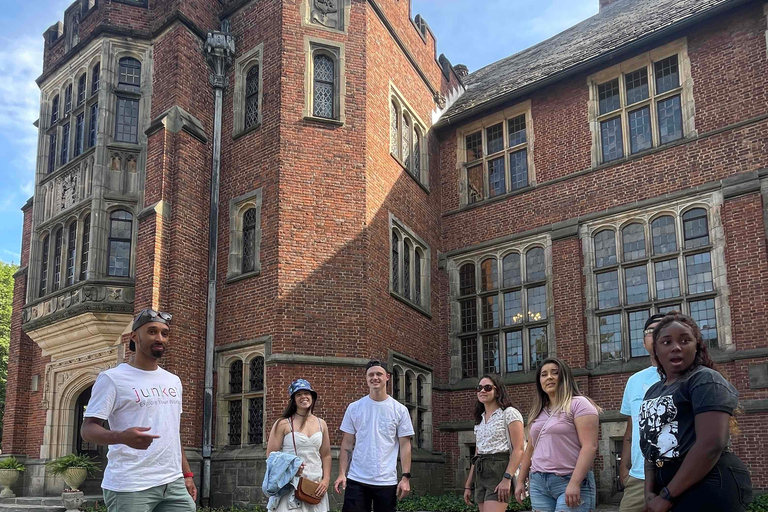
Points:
(448, 503)
(760, 504)
(256, 508)
(60, 464)
(11, 463)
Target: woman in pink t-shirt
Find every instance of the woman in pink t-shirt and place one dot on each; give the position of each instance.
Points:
(562, 444)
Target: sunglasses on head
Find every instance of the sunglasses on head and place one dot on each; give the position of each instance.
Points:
(155, 314)
(487, 388)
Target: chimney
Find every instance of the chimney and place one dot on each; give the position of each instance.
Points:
(461, 70)
(605, 3)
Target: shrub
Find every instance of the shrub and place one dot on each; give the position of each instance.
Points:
(11, 463)
(60, 464)
(448, 503)
(760, 504)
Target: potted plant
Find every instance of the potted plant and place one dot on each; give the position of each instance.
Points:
(10, 469)
(74, 468)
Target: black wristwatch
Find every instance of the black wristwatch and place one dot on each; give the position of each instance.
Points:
(665, 495)
(407, 475)
(507, 476)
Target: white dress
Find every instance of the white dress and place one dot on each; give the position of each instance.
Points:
(308, 448)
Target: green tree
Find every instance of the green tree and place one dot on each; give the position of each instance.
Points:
(6, 305)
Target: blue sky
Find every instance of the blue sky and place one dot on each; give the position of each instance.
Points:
(471, 32)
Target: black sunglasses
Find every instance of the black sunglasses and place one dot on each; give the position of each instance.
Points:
(487, 388)
(154, 314)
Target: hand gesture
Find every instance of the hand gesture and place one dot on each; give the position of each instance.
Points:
(658, 504)
(573, 494)
(136, 438)
(504, 490)
(520, 491)
(341, 482)
(189, 482)
(403, 488)
(322, 487)
(301, 470)
(468, 497)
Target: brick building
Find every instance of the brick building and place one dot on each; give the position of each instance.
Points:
(369, 199)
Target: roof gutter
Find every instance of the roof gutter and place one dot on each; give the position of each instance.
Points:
(578, 68)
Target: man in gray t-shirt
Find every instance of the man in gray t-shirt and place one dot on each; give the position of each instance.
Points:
(375, 428)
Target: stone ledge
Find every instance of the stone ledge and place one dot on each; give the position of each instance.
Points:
(176, 119)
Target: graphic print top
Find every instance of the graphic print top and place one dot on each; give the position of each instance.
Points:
(129, 397)
(668, 412)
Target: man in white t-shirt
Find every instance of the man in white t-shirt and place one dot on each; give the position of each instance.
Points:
(632, 467)
(375, 427)
(146, 468)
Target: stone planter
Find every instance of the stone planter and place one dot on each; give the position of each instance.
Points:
(74, 477)
(72, 500)
(8, 477)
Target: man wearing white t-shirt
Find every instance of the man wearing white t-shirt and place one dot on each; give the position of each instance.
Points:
(146, 468)
(375, 427)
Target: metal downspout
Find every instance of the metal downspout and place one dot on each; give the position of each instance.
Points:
(219, 51)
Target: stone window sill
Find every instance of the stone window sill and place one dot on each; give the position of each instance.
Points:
(240, 277)
(246, 131)
(324, 120)
(407, 302)
(400, 162)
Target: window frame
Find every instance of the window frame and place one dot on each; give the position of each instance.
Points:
(420, 406)
(237, 208)
(243, 64)
(476, 337)
(335, 50)
(503, 117)
(226, 356)
(408, 239)
(715, 248)
(403, 111)
(111, 238)
(620, 71)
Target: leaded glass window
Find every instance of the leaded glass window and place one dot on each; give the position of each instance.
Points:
(407, 270)
(517, 133)
(57, 260)
(64, 156)
(119, 248)
(71, 253)
(395, 262)
(610, 131)
(257, 374)
(494, 137)
(68, 99)
(496, 177)
(249, 240)
(85, 247)
(394, 130)
(129, 75)
(242, 394)
(469, 357)
(408, 388)
(405, 133)
(256, 420)
(44, 267)
(81, 89)
(409, 264)
(252, 97)
(535, 265)
(672, 276)
(637, 85)
(55, 110)
(511, 269)
(417, 277)
(514, 342)
(417, 152)
(474, 144)
(467, 279)
(127, 120)
(236, 377)
(539, 345)
(95, 78)
(93, 125)
(323, 86)
(488, 275)
(235, 422)
(51, 152)
(79, 133)
(491, 358)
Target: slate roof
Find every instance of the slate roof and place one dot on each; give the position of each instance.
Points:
(617, 26)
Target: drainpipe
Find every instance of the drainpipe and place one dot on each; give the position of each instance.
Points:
(219, 50)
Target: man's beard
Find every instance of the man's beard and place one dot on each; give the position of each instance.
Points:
(157, 353)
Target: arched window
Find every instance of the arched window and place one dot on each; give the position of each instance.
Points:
(71, 253)
(252, 97)
(95, 78)
(256, 379)
(489, 278)
(323, 86)
(396, 374)
(129, 75)
(406, 141)
(407, 269)
(236, 377)
(68, 99)
(664, 235)
(394, 130)
(235, 406)
(605, 248)
(408, 387)
(417, 276)
(52, 152)
(57, 260)
(85, 247)
(417, 152)
(511, 270)
(695, 228)
(81, 89)
(633, 239)
(467, 279)
(119, 249)
(249, 241)
(534, 265)
(395, 261)
(44, 266)
(55, 110)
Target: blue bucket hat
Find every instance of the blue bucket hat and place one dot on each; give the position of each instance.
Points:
(301, 385)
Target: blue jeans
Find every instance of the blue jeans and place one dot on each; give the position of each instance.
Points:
(548, 492)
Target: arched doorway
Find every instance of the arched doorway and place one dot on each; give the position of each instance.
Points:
(81, 447)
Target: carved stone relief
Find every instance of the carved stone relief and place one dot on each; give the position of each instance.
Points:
(123, 172)
(326, 13)
(105, 296)
(67, 189)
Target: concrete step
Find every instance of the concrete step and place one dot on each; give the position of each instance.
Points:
(39, 503)
(29, 508)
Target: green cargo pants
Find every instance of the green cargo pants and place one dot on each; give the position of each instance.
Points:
(171, 497)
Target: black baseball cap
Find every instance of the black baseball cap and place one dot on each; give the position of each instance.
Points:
(146, 316)
(376, 362)
(653, 319)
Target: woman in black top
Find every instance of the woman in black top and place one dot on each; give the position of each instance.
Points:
(684, 428)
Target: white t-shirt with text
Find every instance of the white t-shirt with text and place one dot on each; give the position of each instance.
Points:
(129, 397)
(377, 427)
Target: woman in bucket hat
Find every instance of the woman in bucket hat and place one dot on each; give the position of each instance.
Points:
(299, 431)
